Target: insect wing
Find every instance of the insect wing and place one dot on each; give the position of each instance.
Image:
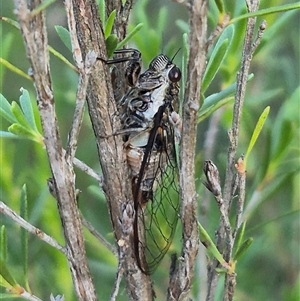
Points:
(157, 200)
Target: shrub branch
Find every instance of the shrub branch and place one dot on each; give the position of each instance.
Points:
(35, 37)
(235, 175)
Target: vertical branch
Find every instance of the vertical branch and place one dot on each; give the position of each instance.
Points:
(181, 279)
(102, 110)
(36, 43)
(84, 68)
(226, 235)
(238, 104)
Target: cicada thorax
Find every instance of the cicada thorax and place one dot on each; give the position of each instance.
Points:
(153, 90)
(147, 118)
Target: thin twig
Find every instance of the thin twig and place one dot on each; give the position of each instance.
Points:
(238, 107)
(76, 50)
(225, 235)
(117, 281)
(214, 186)
(102, 108)
(242, 188)
(260, 33)
(84, 71)
(89, 171)
(31, 229)
(241, 179)
(95, 233)
(29, 296)
(84, 74)
(36, 43)
(181, 279)
(240, 165)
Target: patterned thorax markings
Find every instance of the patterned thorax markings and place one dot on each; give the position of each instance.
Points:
(153, 89)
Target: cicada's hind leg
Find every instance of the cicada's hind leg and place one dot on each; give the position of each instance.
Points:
(134, 54)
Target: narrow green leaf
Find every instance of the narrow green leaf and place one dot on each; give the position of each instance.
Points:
(257, 130)
(210, 246)
(26, 106)
(5, 109)
(220, 5)
(214, 101)
(62, 58)
(217, 57)
(6, 46)
(102, 8)
(162, 19)
(244, 247)
(205, 114)
(24, 235)
(111, 44)
(20, 131)
(64, 35)
(4, 283)
(183, 26)
(8, 295)
(240, 236)
(267, 11)
(3, 243)
(16, 110)
(4, 134)
(14, 69)
(11, 22)
(214, 64)
(109, 24)
(130, 35)
(42, 7)
(7, 277)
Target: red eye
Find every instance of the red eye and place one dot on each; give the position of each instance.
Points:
(174, 74)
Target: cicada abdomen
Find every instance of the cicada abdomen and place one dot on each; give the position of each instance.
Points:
(151, 124)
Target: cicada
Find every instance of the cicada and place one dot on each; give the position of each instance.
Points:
(151, 125)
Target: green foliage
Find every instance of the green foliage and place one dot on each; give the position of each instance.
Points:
(243, 248)
(256, 132)
(6, 279)
(209, 245)
(217, 57)
(22, 119)
(217, 100)
(24, 235)
(64, 35)
(272, 200)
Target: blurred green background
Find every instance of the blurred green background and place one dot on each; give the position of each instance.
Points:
(270, 268)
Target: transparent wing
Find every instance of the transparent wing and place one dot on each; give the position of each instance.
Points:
(156, 198)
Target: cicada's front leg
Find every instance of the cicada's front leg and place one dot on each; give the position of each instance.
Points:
(133, 67)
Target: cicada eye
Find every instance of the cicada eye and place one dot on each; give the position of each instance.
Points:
(174, 74)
